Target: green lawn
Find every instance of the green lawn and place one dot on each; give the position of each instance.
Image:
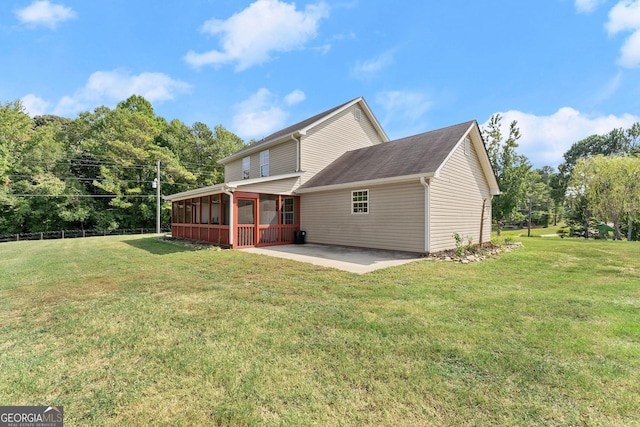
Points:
(135, 331)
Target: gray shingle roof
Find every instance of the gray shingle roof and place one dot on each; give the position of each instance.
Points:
(418, 154)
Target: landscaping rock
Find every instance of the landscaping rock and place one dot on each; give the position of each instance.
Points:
(475, 253)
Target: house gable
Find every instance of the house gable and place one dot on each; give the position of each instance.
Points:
(311, 144)
(460, 198)
(350, 128)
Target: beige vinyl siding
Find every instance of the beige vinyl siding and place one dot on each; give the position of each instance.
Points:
(395, 220)
(282, 160)
(334, 137)
(233, 171)
(281, 186)
(456, 201)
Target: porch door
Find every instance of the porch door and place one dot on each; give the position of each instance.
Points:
(247, 230)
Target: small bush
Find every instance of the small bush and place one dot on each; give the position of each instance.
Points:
(459, 246)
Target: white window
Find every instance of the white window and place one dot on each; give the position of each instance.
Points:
(289, 210)
(246, 167)
(264, 163)
(360, 202)
(467, 146)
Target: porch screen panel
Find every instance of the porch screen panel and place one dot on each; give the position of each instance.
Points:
(226, 201)
(289, 209)
(196, 211)
(204, 202)
(215, 209)
(268, 210)
(180, 218)
(187, 217)
(245, 212)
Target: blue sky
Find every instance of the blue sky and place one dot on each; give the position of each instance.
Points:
(564, 69)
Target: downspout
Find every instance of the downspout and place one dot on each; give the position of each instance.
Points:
(297, 140)
(427, 214)
(226, 191)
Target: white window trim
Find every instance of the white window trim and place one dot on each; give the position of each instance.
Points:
(367, 202)
(285, 212)
(246, 172)
(262, 165)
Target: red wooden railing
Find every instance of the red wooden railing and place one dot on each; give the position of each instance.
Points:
(245, 234)
(276, 234)
(210, 233)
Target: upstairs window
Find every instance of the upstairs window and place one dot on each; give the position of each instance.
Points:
(246, 167)
(264, 163)
(360, 202)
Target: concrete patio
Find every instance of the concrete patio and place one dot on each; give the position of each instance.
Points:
(353, 260)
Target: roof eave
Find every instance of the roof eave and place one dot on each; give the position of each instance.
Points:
(378, 181)
(228, 186)
(203, 191)
(235, 184)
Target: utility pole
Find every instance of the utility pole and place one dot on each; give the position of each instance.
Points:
(529, 226)
(156, 185)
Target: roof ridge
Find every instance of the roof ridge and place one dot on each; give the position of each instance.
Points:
(294, 127)
(468, 122)
(307, 121)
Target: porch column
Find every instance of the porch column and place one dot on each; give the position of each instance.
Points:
(232, 210)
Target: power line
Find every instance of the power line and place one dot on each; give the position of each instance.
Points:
(113, 196)
(97, 163)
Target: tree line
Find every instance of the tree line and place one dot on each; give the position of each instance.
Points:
(97, 171)
(598, 182)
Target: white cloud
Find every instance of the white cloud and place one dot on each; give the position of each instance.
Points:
(263, 113)
(34, 105)
(251, 36)
(625, 16)
(630, 51)
(609, 89)
(295, 97)
(403, 106)
(323, 49)
(546, 138)
(587, 6)
(118, 85)
(44, 13)
(366, 69)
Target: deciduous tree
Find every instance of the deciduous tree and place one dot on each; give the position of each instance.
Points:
(511, 169)
(610, 186)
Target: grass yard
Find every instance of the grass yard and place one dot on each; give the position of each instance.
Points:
(135, 331)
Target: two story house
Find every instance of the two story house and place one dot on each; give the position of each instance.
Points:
(337, 176)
